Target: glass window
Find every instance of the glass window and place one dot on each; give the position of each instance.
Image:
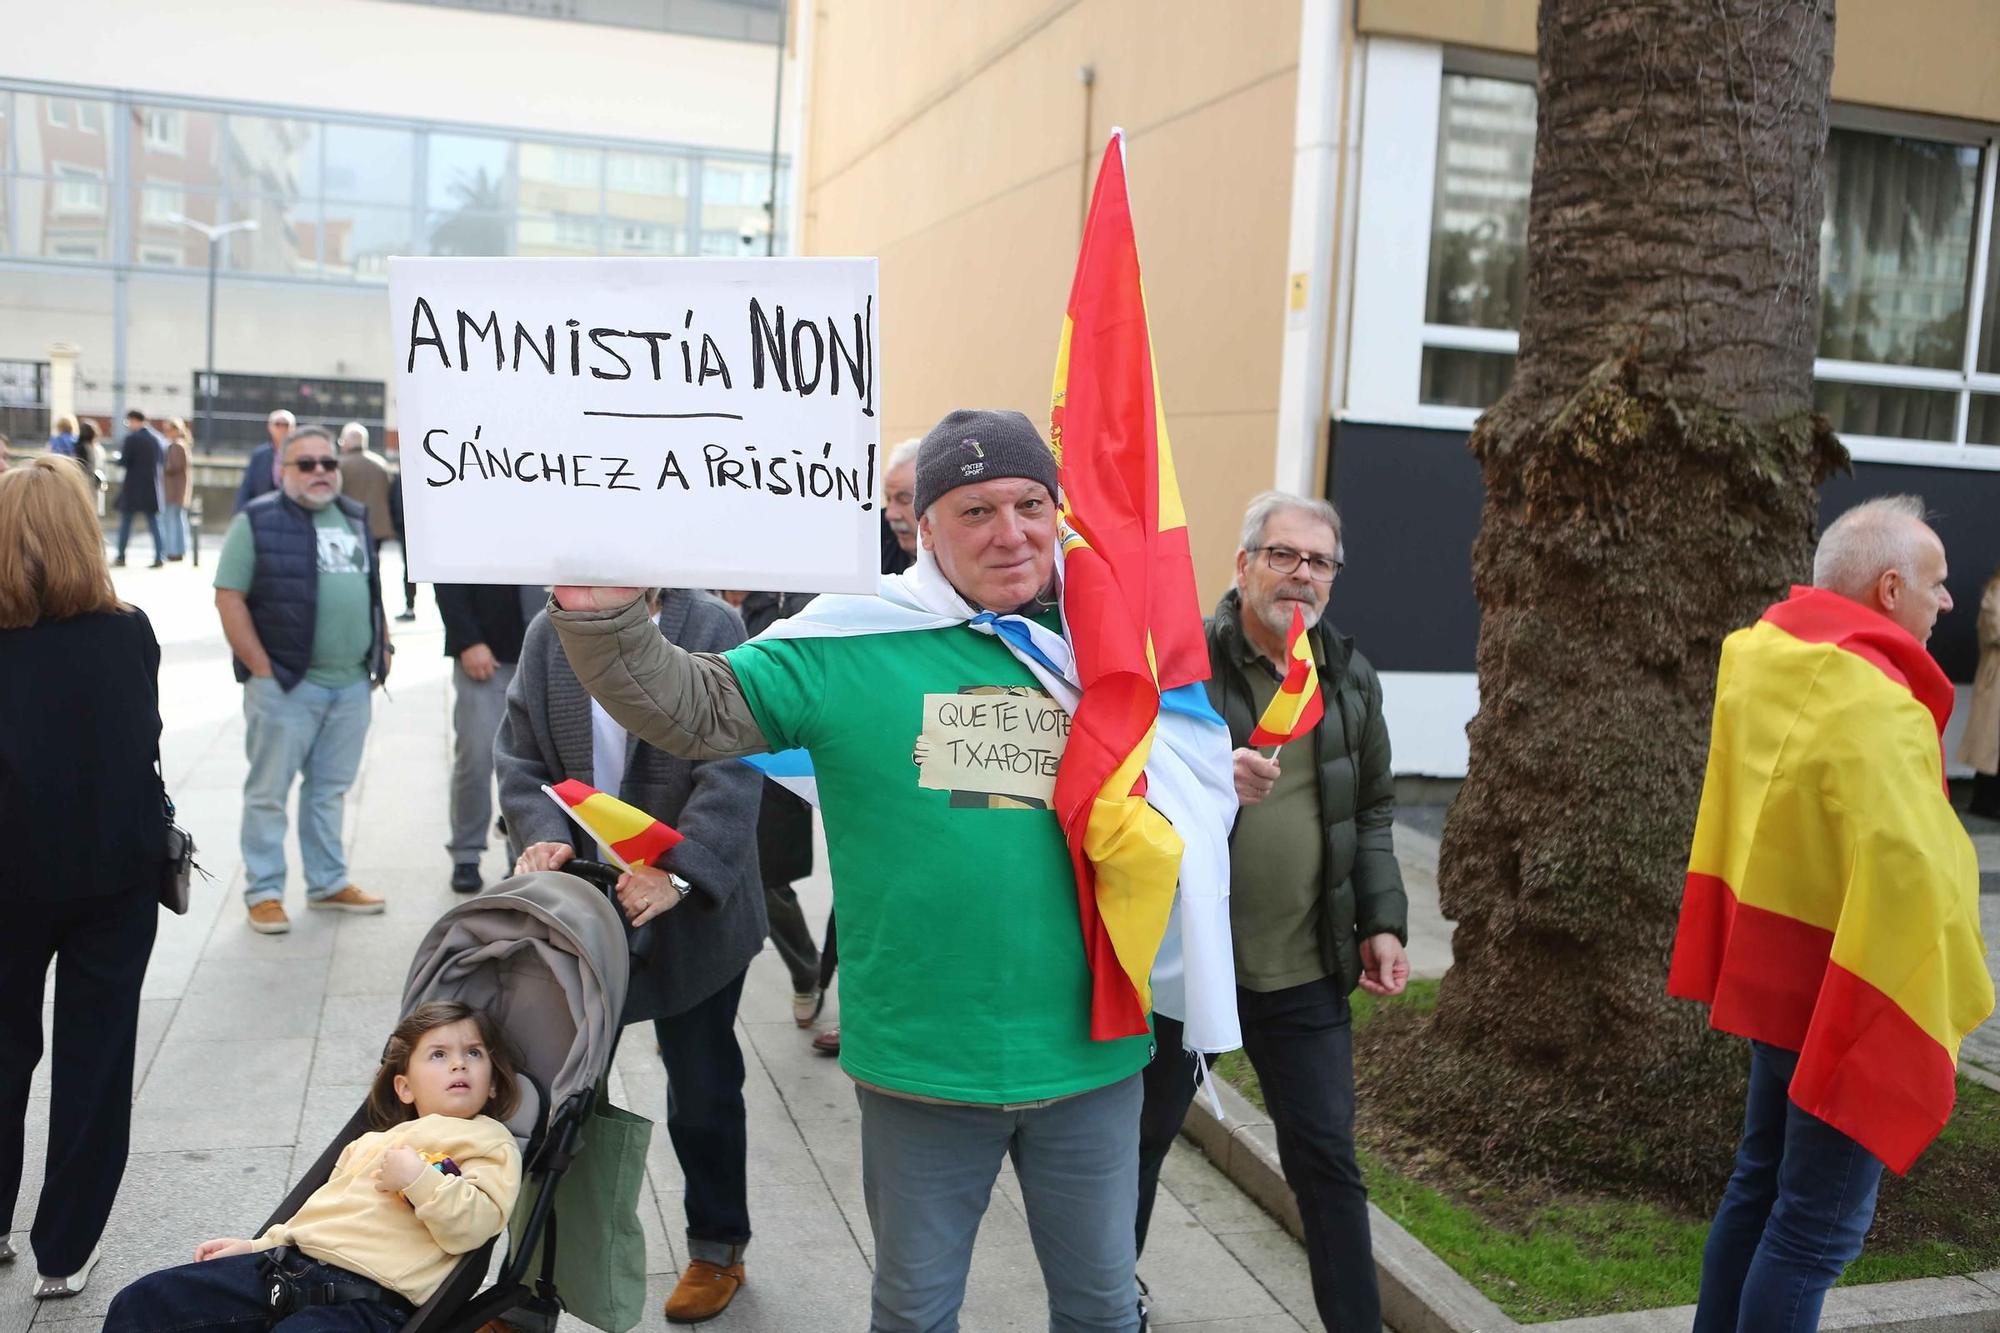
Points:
(469, 173)
(369, 165)
(1982, 425)
(1479, 210)
(1896, 251)
(161, 203)
(176, 144)
(1892, 413)
(646, 174)
(466, 231)
(556, 178)
(79, 191)
(1453, 377)
(48, 130)
(733, 183)
(285, 243)
(163, 130)
(631, 236)
(273, 158)
(558, 234)
(359, 238)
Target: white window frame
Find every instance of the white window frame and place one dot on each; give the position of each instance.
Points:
(165, 130)
(1403, 85)
(162, 256)
(65, 175)
(161, 202)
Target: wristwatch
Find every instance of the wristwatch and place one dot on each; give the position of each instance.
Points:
(682, 886)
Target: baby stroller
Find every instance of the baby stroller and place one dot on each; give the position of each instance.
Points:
(546, 955)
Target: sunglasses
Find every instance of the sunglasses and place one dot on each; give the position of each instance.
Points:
(319, 464)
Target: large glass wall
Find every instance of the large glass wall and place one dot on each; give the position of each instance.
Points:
(113, 180)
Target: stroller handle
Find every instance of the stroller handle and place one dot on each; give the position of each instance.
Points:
(639, 940)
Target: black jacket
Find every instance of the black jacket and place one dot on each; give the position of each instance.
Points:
(784, 822)
(284, 590)
(1360, 880)
(256, 476)
(80, 811)
(141, 456)
(488, 613)
(894, 558)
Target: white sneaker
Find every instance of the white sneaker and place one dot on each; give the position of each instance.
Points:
(57, 1288)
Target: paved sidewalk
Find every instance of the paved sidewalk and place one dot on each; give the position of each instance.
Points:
(253, 1050)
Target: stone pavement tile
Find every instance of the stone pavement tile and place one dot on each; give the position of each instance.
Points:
(344, 1059)
(172, 1201)
(222, 1094)
(325, 1113)
(811, 1085)
(312, 934)
(178, 945)
(242, 998)
(836, 1148)
(362, 1016)
(1279, 1263)
(1278, 1322)
(1192, 1276)
(376, 965)
(1211, 1197)
(804, 1271)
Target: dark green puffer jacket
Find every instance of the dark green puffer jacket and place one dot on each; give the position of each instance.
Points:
(1360, 880)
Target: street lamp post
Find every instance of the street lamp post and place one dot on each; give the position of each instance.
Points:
(213, 235)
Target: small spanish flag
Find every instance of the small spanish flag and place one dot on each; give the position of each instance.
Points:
(1296, 708)
(629, 834)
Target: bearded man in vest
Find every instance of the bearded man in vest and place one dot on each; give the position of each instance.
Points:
(301, 604)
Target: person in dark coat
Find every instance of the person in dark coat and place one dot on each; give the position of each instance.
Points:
(707, 888)
(785, 839)
(142, 454)
(82, 818)
(262, 473)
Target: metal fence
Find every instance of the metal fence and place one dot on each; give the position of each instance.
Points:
(24, 401)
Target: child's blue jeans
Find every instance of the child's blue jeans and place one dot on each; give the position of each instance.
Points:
(227, 1293)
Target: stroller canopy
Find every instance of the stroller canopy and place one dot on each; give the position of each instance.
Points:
(545, 956)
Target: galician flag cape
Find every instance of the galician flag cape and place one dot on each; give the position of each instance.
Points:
(1832, 898)
(1187, 779)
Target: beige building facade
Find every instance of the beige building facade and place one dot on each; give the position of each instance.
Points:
(1331, 204)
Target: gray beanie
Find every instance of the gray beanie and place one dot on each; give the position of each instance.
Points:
(971, 446)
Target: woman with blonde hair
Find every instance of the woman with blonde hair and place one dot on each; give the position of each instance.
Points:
(1981, 746)
(83, 820)
(176, 474)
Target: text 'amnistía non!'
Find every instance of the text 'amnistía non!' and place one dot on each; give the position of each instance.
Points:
(793, 353)
(716, 467)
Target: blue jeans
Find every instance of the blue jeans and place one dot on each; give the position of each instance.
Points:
(125, 533)
(173, 531)
(315, 734)
(225, 1293)
(1793, 1215)
(927, 1172)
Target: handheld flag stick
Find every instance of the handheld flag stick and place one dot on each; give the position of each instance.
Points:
(1297, 707)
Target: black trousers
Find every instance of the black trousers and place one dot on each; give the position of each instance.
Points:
(792, 936)
(1301, 1043)
(99, 946)
(706, 1116)
(829, 953)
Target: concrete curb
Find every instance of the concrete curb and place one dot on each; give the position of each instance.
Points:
(1423, 1294)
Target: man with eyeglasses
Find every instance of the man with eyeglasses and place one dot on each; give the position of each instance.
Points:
(1316, 898)
(301, 604)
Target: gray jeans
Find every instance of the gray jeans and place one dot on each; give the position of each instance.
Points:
(927, 1172)
(476, 709)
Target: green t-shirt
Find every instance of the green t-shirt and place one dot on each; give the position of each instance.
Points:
(1275, 901)
(961, 954)
(341, 629)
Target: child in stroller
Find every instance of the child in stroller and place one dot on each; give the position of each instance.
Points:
(435, 1179)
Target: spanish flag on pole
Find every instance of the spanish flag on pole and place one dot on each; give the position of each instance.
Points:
(1129, 606)
(629, 834)
(1832, 903)
(1297, 707)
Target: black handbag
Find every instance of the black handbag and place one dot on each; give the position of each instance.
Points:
(177, 870)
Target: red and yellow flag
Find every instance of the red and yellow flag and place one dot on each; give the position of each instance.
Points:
(1130, 605)
(1832, 899)
(1297, 707)
(632, 836)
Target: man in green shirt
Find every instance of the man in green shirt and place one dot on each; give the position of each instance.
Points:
(301, 606)
(1316, 902)
(966, 991)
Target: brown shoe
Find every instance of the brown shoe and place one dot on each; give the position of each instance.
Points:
(827, 1042)
(268, 917)
(349, 899)
(704, 1291)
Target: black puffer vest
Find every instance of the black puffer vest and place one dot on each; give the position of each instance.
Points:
(284, 590)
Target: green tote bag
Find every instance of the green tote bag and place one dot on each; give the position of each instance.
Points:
(600, 1246)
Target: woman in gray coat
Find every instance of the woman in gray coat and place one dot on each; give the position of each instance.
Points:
(707, 887)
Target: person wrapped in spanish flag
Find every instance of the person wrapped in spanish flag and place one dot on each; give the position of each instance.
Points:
(1831, 911)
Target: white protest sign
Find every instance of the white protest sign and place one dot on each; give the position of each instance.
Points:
(996, 741)
(698, 423)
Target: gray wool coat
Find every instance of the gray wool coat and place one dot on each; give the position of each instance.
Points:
(545, 738)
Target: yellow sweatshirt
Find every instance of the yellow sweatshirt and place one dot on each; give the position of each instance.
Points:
(408, 1242)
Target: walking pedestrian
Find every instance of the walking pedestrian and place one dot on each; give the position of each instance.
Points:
(692, 980)
(301, 605)
(176, 486)
(262, 474)
(141, 455)
(83, 821)
(484, 624)
(1831, 912)
(365, 476)
(62, 437)
(1980, 748)
(1316, 899)
(409, 611)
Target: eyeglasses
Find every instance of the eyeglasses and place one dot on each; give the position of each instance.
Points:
(1284, 560)
(321, 464)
